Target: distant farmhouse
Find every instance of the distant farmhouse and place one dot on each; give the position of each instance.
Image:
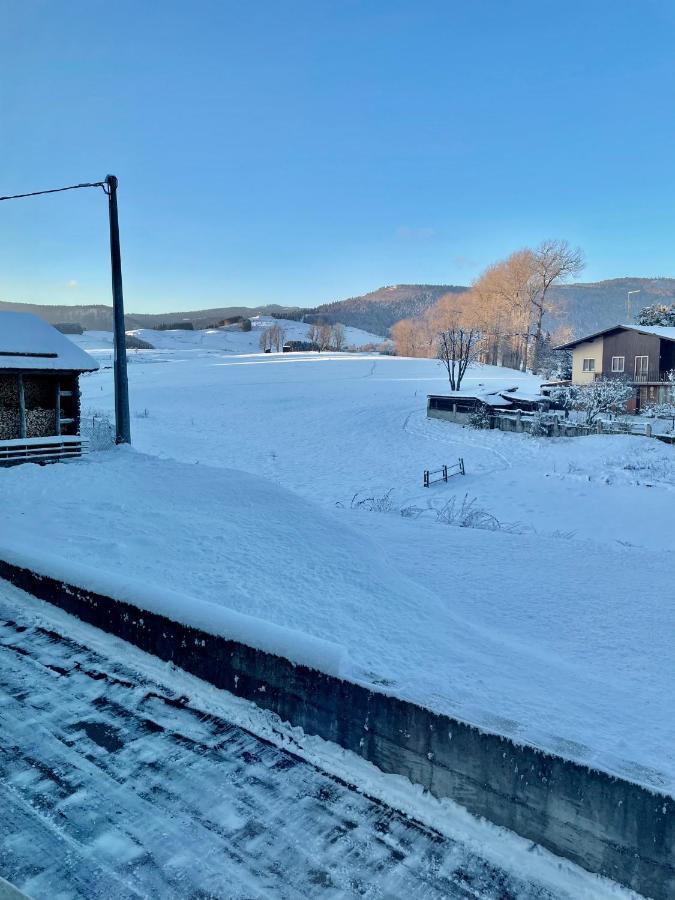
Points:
(39, 390)
(643, 355)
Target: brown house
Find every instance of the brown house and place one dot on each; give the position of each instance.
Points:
(39, 390)
(643, 355)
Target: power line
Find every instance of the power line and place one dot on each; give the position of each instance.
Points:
(72, 187)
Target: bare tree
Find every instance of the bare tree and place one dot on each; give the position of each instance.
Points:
(554, 262)
(409, 338)
(313, 334)
(456, 349)
(324, 337)
(265, 341)
(338, 336)
(277, 337)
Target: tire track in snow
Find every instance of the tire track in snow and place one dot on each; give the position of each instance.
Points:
(424, 431)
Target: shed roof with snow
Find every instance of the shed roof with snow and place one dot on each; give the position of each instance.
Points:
(29, 343)
(662, 331)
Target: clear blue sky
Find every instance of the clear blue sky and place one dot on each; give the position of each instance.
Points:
(299, 152)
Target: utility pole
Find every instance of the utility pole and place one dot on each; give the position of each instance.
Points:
(122, 418)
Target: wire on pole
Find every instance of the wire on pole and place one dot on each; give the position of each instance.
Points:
(72, 187)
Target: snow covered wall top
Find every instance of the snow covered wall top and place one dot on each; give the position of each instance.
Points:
(28, 342)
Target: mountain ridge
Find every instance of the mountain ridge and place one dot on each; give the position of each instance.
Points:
(584, 306)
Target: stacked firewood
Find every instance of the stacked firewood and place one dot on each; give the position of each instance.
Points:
(9, 408)
(9, 423)
(40, 422)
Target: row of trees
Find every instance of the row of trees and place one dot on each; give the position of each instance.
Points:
(323, 336)
(327, 337)
(500, 320)
(272, 338)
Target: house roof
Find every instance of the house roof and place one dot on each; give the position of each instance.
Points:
(28, 342)
(661, 331)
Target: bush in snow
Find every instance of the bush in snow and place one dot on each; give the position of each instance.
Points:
(661, 411)
(606, 396)
(467, 514)
(374, 504)
(480, 418)
(540, 424)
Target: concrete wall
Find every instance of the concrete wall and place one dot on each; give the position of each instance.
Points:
(603, 823)
(587, 350)
(449, 415)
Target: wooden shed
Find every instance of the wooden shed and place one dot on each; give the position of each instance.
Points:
(39, 390)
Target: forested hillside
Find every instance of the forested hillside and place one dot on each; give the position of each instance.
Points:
(584, 307)
(379, 310)
(596, 305)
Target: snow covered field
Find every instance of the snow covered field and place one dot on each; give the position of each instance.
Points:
(555, 629)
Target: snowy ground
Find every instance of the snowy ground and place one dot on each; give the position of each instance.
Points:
(215, 340)
(555, 630)
(123, 777)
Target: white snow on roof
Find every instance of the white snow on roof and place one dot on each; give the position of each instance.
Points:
(659, 330)
(28, 342)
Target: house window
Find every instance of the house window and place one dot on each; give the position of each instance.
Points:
(589, 365)
(618, 363)
(641, 367)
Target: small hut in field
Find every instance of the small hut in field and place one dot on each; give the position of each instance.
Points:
(39, 390)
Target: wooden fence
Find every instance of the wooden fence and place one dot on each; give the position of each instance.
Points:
(520, 421)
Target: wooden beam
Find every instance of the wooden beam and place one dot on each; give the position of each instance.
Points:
(22, 408)
(57, 409)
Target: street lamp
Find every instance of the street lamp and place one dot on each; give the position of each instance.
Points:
(628, 312)
(122, 418)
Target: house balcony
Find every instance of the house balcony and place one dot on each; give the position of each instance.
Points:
(661, 378)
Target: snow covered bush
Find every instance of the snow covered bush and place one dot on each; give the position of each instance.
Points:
(606, 396)
(657, 314)
(467, 514)
(374, 504)
(480, 418)
(661, 411)
(540, 424)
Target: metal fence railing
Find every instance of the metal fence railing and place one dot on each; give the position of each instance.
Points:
(443, 473)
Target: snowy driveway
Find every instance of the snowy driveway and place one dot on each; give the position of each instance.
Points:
(114, 786)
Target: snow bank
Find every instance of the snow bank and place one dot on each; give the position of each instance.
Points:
(298, 647)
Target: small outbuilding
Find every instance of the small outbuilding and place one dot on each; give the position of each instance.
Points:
(39, 390)
(459, 407)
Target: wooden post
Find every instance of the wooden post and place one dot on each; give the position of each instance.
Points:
(22, 408)
(648, 430)
(57, 409)
(426, 478)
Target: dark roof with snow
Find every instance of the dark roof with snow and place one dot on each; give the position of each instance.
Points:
(661, 331)
(28, 342)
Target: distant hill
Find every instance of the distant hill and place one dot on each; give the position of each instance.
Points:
(379, 310)
(596, 305)
(585, 307)
(99, 318)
